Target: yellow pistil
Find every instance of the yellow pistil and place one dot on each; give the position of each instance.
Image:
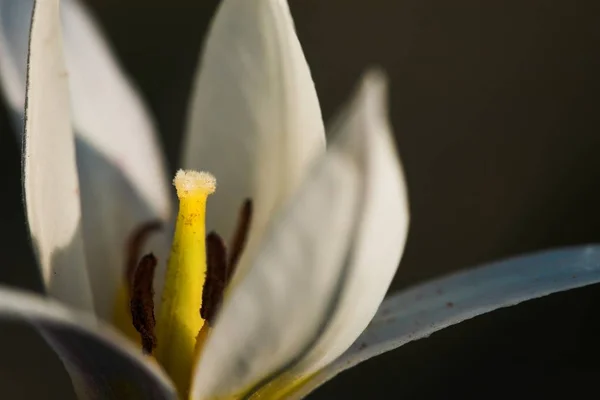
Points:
(179, 321)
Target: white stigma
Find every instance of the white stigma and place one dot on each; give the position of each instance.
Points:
(189, 182)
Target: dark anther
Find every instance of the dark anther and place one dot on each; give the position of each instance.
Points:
(220, 268)
(142, 302)
(240, 236)
(216, 277)
(134, 247)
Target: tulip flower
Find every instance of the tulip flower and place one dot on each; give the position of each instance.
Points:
(281, 250)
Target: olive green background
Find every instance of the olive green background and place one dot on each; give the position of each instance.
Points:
(495, 110)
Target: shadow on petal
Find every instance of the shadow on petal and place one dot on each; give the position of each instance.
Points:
(101, 363)
(99, 370)
(112, 209)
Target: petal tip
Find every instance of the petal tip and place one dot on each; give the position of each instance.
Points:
(374, 90)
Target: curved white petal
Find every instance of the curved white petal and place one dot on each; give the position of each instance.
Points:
(109, 114)
(420, 311)
(101, 363)
(301, 303)
(255, 120)
(382, 225)
(49, 171)
(121, 169)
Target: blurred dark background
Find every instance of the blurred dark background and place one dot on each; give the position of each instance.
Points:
(495, 109)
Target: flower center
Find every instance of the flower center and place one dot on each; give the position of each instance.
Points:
(198, 272)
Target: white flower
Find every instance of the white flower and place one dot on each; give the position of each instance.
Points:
(327, 228)
(326, 232)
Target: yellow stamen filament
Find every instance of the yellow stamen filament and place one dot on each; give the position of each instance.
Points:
(179, 321)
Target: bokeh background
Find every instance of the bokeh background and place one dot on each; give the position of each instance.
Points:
(495, 110)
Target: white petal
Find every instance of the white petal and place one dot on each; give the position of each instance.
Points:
(49, 171)
(108, 113)
(121, 169)
(101, 363)
(255, 120)
(293, 310)
(420, 311)
(382, 226)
